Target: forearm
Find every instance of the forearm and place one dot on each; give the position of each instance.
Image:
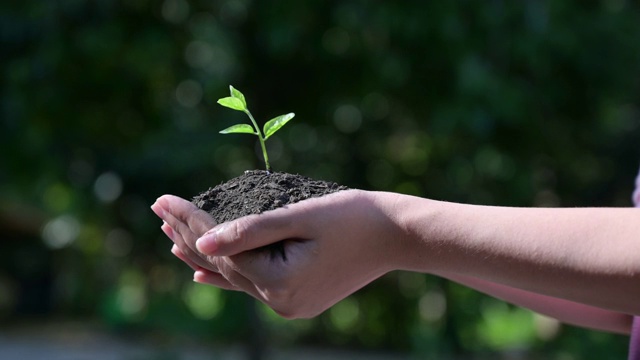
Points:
(590, 256)
(563, 310)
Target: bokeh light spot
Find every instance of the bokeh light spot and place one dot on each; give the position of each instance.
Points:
(222, 63)
(347, 118)
(57, 197)
(175, 11)
(233, 12)
(490, 162)
(90, 240)
(615, 6)
(409, 188)
(131, 300)
(411, 284)
(303, 137)
(199, 54)
(505, 327)
(108, 187)
(162, 278)
(131, 297)
(344, 315)
(189, 93)
(61, 231)
(336, 41)
(432, 306)
(547, 328)
(205, 302)
(118, 242)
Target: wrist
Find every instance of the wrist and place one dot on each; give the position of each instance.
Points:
(425, 234)
(409, 241)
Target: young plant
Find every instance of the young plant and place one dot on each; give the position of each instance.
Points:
(237, 102)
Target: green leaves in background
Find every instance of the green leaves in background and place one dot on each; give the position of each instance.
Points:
(483, 103)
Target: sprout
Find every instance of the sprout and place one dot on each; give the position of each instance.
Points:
(237, 102)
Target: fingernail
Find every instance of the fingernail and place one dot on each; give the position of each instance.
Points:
(174, 248)
(207, 244)
(158, 210)
(197, 275)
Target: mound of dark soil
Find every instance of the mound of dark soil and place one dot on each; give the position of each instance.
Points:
(258, 191)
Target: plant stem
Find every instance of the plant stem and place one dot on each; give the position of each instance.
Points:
(261, 138)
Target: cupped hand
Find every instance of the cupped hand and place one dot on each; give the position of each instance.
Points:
(184, 223)
(330, 247)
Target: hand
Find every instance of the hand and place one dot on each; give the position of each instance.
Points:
(184, 223)
(331, 247)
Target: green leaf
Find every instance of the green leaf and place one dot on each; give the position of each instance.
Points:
(238, 95)
(239, 129)
(232, 103)
(276, 123)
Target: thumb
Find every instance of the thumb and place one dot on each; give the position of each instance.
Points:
(250, 232)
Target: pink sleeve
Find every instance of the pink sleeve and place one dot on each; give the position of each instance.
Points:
(636, 193)
(634, 344)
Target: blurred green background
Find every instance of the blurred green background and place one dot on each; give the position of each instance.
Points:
(106, 105)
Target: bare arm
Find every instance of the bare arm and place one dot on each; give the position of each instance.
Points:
(563, 310)
(588, 255)
(586, 260)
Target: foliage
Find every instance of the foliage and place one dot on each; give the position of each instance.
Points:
(237, 102)
(104, 108)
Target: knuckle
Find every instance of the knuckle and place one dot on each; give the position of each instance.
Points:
(200, 221)
(190, 215)
(239, 234)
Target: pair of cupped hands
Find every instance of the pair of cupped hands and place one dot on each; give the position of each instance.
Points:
(333, 245)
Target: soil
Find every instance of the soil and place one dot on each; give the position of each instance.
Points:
(257, 191)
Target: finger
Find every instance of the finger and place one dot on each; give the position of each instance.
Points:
(195, 257)
(178, 229)
(276, 295)
(188, 236)
(180, 255)
(199, 221)
(264, 267)
(214, 279)
(231, 274)
(251, 232)
(296, 221)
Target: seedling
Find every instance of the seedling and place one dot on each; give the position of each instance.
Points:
(237, 102)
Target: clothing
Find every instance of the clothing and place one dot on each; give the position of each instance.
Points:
(634, 344)
(636, 193)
